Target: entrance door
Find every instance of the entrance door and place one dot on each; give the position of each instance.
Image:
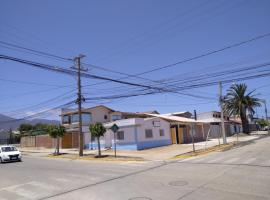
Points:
(180, 135)
(173, 135)
(67, 140)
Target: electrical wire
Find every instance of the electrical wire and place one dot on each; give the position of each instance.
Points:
(35, 51)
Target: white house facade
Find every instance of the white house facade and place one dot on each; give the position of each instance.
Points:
(138, 134)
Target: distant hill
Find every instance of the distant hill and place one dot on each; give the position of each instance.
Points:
(7, 122)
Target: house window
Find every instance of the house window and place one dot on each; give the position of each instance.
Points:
(116, 117)
(156, 123)
(86, 117)
(105, 117)
(75, 118)
(66, 119)
(148, 133)
(161, 132)
(120, 135)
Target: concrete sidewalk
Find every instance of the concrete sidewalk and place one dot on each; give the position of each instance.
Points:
(154, 154)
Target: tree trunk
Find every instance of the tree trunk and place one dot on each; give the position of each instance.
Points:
(245, 125)
(57, 145)
(99, 152)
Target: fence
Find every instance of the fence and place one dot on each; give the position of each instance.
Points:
(69, 140)
(38, 141)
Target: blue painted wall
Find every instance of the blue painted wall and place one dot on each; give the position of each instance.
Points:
(143, 145)
(153, 143)
(136, 145)
(133, 146)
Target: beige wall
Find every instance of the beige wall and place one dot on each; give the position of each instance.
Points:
(98, 115)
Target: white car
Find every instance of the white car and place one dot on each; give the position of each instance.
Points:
(9, 153)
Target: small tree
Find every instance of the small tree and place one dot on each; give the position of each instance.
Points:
(97, 130)
(40, 126)
(56, 132)
(24, 128)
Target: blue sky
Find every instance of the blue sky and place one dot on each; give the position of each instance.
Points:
(130, 37)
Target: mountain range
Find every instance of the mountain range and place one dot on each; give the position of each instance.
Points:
(7, 122)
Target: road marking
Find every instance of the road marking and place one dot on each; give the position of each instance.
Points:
(30, 190)
(128, 165)
(248, 161)
(6, 195)
(266, 163)
(197, 160)
(187, 159)
(215, 160)
(14, 186)
(230, 161)
(62, 180)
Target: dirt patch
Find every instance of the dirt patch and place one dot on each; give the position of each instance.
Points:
(92, 157)
(223, 147)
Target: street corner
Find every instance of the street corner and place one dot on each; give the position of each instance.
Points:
(204, 152)
(95, 158)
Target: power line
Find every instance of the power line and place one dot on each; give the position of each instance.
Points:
(31, 93)
(154, 29)
(206, 54)
(192, 58)
(199, 16)
(216, 74)
(35, 51)
(38, 114)
(231, 72)
(59, 97)
(32, 83)
(210, 83)
(149, 87)
(73, 73)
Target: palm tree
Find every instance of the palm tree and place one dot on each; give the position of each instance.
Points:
(97, 130)
(238, 102)
(56, 132)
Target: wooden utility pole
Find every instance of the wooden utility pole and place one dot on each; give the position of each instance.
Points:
(222, 114)
(193, 130)
(79, 102)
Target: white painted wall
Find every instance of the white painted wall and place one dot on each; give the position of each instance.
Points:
(87, 136)
(128, 126)
(129, 135)
(148, 124)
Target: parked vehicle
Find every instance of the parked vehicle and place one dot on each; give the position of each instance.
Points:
(9, 153)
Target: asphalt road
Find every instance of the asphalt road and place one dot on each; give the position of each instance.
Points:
(240, 173)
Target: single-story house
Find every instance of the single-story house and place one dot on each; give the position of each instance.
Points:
(136, 134)
(184, 128)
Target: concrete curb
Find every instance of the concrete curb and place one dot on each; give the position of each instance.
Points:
(217, 148)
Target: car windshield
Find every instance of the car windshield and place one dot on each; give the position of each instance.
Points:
(8, 149)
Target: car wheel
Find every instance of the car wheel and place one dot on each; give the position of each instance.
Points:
(1, 161)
